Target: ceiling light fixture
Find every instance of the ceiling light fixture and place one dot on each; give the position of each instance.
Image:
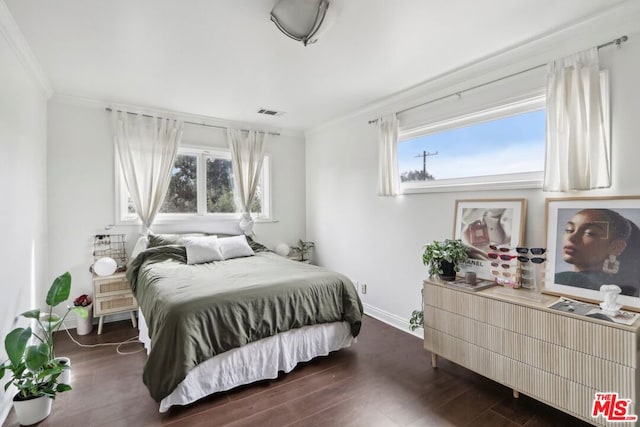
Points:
(302, 20)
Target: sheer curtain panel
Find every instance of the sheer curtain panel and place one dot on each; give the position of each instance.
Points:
(388, 180)
(578, 146)
(146, 147)
(247, 155)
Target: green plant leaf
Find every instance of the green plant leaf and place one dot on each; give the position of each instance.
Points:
(49, 391)
(63, 387)
(18, 370)
(2, 369)
(59, 290)
(31, 314)
(417, 320)
(37, 356)
(15, 343)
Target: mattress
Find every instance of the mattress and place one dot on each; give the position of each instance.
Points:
(255, 361)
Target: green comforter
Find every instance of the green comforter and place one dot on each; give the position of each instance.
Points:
(195, 312)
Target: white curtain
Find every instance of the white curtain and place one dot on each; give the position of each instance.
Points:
(147, 148)
(247, 155)
(578, 147)
(388, 180)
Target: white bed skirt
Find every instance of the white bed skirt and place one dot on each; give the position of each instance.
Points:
(253, 362)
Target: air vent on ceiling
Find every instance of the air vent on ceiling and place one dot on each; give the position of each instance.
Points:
(270, 112)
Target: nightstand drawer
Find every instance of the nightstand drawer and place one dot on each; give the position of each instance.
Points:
(110, 285)
(115, 304)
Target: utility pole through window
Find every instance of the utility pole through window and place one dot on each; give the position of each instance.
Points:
(424, 156)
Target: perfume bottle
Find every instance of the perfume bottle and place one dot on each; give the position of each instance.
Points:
(478, 233)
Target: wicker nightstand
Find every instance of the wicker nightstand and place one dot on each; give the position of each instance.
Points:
(112, 295)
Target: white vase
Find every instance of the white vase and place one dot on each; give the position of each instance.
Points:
(65, 376)
(33, 410)
(85, 326)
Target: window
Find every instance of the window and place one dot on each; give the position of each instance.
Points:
(498, 148)
(182, 195)
(201, 186)
(219, 187)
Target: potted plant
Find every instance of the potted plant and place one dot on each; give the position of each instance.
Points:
(417, 320)
(443, 258)
(303, 249)
(84, 324)
(35, 370)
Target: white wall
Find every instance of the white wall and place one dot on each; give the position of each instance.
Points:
(378, 240)
(23, 196)
(81, 187)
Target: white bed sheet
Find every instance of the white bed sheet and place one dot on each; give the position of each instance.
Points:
(255, 361)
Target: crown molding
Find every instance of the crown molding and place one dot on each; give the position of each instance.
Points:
(195, 118)
(623, 19)
(14, 37)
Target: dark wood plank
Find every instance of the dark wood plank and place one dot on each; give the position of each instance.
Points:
(385, 379)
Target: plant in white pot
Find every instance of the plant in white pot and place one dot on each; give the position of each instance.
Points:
(84, 324)
(35, 370)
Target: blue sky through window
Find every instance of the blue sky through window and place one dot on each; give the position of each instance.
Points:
(507, 145)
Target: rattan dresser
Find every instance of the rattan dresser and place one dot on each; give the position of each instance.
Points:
(558, 358)
(112, 295)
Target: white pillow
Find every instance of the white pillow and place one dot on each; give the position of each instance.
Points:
(235, 247)
(201, 249)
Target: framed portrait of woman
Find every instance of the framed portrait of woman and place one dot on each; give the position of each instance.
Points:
(484, 224)
(592, 242)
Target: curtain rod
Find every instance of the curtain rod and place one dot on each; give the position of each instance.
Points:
(617, 42)
(188, 122)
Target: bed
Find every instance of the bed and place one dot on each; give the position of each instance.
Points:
(213, 326)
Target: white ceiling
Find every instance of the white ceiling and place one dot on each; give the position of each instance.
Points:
(225, 59)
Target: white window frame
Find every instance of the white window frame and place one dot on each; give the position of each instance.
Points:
(486, 182)
(123, 217)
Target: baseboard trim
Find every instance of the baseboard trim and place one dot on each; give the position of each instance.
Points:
(391, 320)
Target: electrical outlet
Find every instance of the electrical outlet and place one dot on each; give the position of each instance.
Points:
(363, 288)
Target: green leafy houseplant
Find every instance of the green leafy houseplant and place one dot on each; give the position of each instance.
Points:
(34, 366)
(437, 253)
(303, 249)
(417, 320)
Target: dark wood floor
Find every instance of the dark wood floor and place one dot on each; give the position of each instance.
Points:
(385, 379)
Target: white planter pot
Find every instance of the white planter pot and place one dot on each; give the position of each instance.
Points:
(65, 376)
(33, 410)
(85, 326)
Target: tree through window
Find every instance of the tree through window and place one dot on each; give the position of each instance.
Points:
(182, 195)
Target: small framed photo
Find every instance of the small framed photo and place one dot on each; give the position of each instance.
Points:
(592, 242)
(481, 224)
